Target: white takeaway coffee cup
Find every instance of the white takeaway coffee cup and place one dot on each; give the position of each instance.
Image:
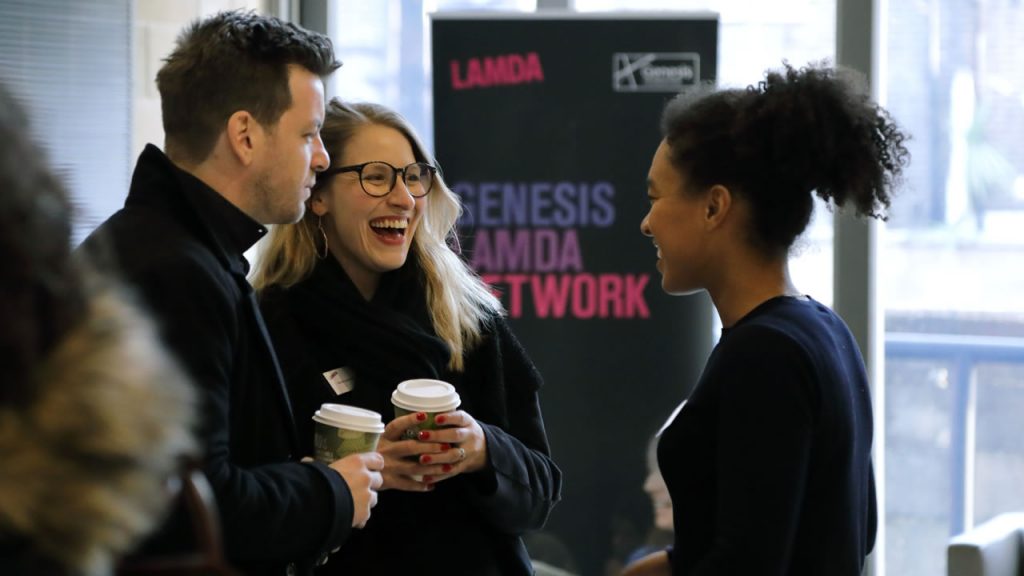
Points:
(425, 395)
(340, 430)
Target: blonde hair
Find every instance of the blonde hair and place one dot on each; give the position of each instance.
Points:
(458, 300)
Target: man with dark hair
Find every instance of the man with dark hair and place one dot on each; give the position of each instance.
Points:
(243, 101)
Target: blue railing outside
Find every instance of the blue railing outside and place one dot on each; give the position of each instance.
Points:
(963, 353)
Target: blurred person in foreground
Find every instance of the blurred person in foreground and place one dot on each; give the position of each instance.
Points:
(367, 283)
(95, 417)
(769, 461)
(242, 97)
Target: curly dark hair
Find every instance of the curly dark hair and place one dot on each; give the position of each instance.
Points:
(798, 131)
(40, 298)
(233, 61)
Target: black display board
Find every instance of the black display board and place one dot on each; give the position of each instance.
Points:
(545, 126)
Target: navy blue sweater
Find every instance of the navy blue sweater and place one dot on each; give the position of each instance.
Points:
(769, 461)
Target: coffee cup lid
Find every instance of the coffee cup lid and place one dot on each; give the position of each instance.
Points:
(426, 395)
(349, 417)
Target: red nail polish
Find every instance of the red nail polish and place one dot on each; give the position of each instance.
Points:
(425, 459)
(446, 468)
(440, 419)
(420, 416)
(428, 479)
(424, 435)
(446, 447)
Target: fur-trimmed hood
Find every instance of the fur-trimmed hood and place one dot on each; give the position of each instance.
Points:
(83, 467)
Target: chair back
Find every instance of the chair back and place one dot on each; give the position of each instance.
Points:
(196, 497)
(995, 548)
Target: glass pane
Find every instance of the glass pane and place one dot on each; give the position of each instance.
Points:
(919, 399)
(998, 457)
(950, 269)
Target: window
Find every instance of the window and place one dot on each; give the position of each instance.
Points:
(68, 64)
(951, 276)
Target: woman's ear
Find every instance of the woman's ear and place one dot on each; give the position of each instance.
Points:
(718, 205)
(318, 204)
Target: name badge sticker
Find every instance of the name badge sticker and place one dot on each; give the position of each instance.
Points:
(342, 380)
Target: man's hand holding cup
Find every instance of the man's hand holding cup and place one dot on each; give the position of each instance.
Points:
(346, 439)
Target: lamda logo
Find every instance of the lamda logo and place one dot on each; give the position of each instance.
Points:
(654, 71)
(503, 70)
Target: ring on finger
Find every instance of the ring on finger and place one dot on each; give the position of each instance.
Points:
(462, 454)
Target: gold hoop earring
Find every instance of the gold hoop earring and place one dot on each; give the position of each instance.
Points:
(323, 234)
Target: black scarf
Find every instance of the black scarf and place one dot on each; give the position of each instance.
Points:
(384, 341)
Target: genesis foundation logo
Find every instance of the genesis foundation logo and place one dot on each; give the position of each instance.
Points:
(654, 71)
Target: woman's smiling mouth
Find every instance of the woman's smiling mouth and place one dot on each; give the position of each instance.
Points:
(390, 229)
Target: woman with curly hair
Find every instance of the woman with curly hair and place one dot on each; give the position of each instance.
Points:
(769, 461)
(367, 285)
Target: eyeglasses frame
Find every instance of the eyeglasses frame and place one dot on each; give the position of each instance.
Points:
(395, 171)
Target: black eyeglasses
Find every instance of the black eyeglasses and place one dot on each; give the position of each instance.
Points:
(378, 178)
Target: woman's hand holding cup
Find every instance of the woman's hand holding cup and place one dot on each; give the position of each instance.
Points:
(457, 446)
(403, 456)
(444, 441)
(463, 446)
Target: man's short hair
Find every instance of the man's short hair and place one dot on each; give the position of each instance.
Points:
(233, 61)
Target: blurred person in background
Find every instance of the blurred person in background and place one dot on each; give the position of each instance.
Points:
(660, 533)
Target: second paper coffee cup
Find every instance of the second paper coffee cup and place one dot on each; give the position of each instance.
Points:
(340, 430)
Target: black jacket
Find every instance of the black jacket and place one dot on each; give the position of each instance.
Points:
(470, 524)
(182, 245)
